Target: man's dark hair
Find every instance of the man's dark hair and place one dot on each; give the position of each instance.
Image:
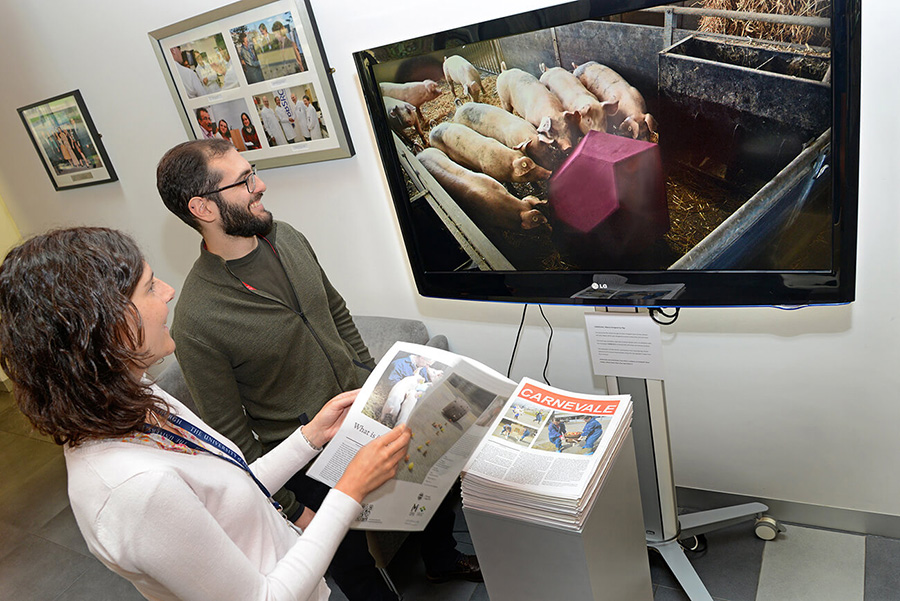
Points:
(70, 335)
(184, 172)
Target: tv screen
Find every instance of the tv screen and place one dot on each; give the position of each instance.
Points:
(627, 152)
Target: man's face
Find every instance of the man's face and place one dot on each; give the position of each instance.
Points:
(306, 101)
(204, 120)
(266, 101)
(241, 212)
(294, 98)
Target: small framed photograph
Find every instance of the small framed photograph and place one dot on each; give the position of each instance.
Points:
(67, 141)
(254, 73)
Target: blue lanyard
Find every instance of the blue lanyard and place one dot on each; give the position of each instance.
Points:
(229, 455)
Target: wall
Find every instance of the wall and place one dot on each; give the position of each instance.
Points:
(798, 406)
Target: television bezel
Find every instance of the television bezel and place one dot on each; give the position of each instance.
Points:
(702, 288)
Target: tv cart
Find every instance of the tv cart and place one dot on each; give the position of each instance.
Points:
(664, 527)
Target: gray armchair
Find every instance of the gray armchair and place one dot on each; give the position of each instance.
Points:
(379, 334)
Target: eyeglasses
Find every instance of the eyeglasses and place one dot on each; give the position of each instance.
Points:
(250, 181)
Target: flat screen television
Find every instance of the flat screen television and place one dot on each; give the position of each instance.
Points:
(626, 152)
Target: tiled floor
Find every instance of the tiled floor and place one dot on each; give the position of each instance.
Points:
(42, 556)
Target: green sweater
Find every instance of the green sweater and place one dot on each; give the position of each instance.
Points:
(253, 365)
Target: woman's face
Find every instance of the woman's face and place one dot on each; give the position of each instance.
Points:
(223, 128)
(151, 297)
(245, 120)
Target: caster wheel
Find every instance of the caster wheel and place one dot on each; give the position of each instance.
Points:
(696, 545)
(767, 528)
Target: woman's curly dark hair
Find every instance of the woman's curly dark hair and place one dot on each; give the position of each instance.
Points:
(70, 336)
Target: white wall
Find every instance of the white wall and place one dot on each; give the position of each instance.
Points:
(798, 406)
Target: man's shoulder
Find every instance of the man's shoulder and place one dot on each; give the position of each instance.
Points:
(203, 284)
(288, 236)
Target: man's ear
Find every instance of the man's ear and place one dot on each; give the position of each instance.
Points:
(203, 209)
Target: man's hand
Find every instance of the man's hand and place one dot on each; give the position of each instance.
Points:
(375, 463)
(325, 424)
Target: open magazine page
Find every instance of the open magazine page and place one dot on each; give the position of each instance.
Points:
(448, 401)
(549, 442)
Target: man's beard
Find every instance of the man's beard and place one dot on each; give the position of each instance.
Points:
(239, 221)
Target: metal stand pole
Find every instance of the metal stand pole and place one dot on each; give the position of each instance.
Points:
(654, 462)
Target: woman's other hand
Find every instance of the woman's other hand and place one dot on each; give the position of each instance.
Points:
(325, 424)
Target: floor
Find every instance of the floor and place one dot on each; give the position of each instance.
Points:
(42, 555)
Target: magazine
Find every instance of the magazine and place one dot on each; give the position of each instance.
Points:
(453, 405)
(546, 455)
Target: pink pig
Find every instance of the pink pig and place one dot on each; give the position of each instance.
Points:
(416, 93)
(522, 92)
(632, 119)
(575, 97)
(482, 197)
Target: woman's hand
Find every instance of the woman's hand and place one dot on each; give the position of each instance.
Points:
(325, 424)
(374, 464)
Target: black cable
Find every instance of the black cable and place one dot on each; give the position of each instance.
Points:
(516, 344)
(670, 318)
(549, 340)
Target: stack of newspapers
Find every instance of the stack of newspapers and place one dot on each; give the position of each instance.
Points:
(546, 455)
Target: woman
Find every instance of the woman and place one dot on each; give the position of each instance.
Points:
(160, 497)
(224, 131)
(248, 132)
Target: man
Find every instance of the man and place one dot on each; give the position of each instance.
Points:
(312, 119)
(413, 364)
(556, 432)
(285, 118)
(592, 432)
(271, 124)
(265, 340)
(206, 123)
(283, 42)
(192, 84)
(249, 59)
(301, 130)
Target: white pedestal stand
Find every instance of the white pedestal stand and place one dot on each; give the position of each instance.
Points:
(654, 463)
(606, 561)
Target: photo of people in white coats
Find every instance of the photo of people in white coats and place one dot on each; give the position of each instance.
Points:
(289, 116)
(204, 66)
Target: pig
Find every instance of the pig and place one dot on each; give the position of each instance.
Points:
(512, 131)
(471, 149)
(416, 93)
(575, 97)
(459, 70)
(409, 402)
(390, 411)
(604, 83)
(521, 91)
(482, 197)
(402, 115)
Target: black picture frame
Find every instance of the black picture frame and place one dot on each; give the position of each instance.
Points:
(67, 141)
